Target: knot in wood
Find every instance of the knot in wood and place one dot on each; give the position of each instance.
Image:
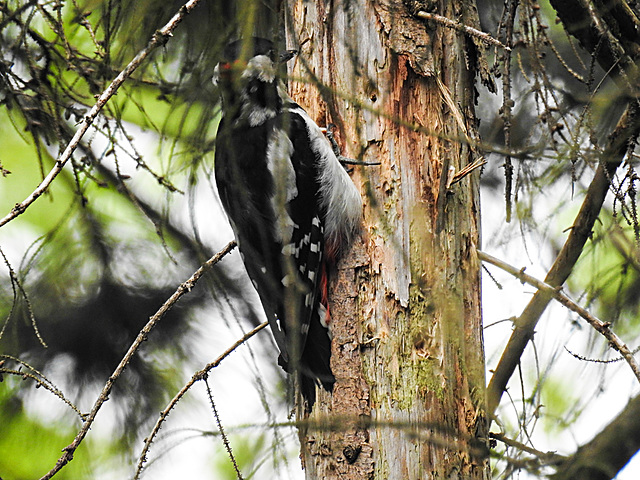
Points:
(351, 453)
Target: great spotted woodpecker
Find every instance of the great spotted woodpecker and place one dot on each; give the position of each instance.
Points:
(291, 204)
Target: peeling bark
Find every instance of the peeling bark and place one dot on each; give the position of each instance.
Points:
(407, 348)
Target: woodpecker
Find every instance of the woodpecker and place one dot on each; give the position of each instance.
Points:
(291, 204)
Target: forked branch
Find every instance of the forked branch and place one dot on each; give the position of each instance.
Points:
(199, 375)
(626, 131)
(158, 39)
(602, 327)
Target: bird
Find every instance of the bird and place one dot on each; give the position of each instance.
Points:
(291, 204)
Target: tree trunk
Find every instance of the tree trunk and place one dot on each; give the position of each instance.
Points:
(406, 320)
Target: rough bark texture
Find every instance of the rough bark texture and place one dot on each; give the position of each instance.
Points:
(407, 349)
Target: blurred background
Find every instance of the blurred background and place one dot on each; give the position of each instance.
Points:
(135, 212)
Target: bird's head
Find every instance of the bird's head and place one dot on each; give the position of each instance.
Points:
(247, 74)
(244, 60)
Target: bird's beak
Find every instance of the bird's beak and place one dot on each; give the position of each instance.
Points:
(287, 55)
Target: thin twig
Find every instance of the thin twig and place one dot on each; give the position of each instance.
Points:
(458, 176)
(160, 37)
(546, 457)
(15, 282)
(433, 432)
(225, 439)
(186, 287)
(199, 375)
(599, 360)
(39, 378)
(447, 22)
(507, 105)
(626, 130)
(41, 383)
(525, 152)
(602, 327)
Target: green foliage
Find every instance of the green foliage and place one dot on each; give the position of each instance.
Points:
(110, 240)
(101, 251)
(245, 451)
(28, 444)
(557, 404)
(610, 274)
(18, 157)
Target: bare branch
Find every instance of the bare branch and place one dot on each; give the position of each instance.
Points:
(184, 288)
(159, 38)
(598, 360)
(39, 378)
(16, 285)
(225, 439)
(506, 112)
(626, 130)
(544, 457)
(485, 37)
(602, 327)
(199, 375)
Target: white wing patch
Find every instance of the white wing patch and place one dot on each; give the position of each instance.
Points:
(341, 202)
(279, 152)
(322, 313)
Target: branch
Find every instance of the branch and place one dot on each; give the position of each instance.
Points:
(159, 38)
(184, 288)
(199, 375)
(626, 130)
(474, 32)
(596, 35)
(16, 286)
(582, 358)
(610, 450)
(38, 377)
(545, 458)
(599, 325)
(223, 435)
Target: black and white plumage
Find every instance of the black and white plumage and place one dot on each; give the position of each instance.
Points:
(290, 202)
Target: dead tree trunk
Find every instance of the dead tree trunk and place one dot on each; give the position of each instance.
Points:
(407, 348)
